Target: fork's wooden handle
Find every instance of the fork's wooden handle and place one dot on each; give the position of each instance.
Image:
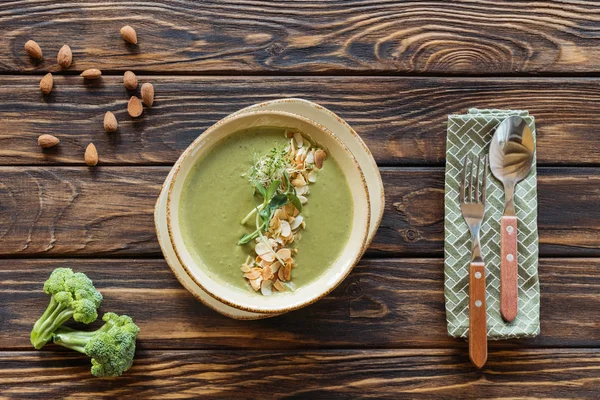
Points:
(477, 315)
(508, 269)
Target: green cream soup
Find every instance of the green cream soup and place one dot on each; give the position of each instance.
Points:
(217, 195)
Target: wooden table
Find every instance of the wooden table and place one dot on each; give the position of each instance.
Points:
(393, 70)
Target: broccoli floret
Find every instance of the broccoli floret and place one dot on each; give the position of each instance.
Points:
(73, 296)
(111, 347)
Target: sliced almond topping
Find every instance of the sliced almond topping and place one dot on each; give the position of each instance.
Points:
(277, 285)
(310, 157)
(275, 267)
(267, 273)
(303, 200)
(281, 214)
(245, 268)
(281, 274)
(265, 287)
(299, 181)
(302, 190)
(268, 257)
(287, 271)
(274, 223)
(256, 283)
(286, 230)
(253, 274)
(285, 254)
(297, 222)
(320, 156)
(312, 176)
(298, 139)
(261, 248)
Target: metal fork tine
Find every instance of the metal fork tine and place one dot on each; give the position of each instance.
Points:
(463, 175)
(470, 199)
(476, 199)
(484, 183)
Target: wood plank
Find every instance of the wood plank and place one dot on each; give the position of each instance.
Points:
(399, 301)
(424, 374)
(402, 120)
(76, 211)
(368, 36)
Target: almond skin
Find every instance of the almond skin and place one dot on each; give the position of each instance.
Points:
(46, 83)
(47, 141)
(130, 81)
(134, 107)
(128, 33)
(34, 50)
(148, 94)
(320, 156)
(65, 56)
(91, 73)
(110, 122)
(91, 155)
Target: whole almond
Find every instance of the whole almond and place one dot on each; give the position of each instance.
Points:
(33, 49)
(47, 141)
(148, 94)
(46, 83)
(130, 81)
(128, 33)
(134, 107)
(91, 155)
(65, 56)
(91, 73)
(110, 122)
(320, 156)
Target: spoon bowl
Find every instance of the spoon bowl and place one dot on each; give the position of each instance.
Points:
(511, 151)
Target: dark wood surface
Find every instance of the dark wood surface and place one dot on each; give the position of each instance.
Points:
(77, 211)
(394, 70)
(333, 36)
(382, 109)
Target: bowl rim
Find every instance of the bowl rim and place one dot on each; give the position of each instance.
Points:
(331, 286)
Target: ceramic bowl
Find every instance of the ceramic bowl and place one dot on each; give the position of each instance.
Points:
(333, 274)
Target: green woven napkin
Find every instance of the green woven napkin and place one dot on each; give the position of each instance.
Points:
(471, 134)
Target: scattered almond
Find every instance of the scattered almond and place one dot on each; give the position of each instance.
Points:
(34, 50)
(65, 56)
(46, 83)
(91, 155)
(128, 33)
(110, 122)
(320, 156)
(91, 73)
(47, 141)
(135, 108)
(130, 81)
(148, 94)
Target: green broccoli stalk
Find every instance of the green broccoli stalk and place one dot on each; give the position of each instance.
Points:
(111, 347)
(73, 296)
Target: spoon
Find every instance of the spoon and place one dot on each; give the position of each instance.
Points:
(511, 157)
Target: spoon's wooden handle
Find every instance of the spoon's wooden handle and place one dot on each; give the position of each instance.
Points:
(508, 269)
(477, 315)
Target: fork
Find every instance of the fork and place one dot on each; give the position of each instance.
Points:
(472, 206)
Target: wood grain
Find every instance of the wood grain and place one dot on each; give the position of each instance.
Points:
(402, 120)
(80, 211)
(367, 36)
(478, 343)
(399, 302)
(398, 374)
